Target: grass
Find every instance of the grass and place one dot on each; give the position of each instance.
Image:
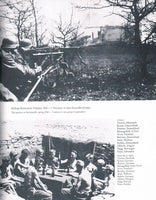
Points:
(106, 76)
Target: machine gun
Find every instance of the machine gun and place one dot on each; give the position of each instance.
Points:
(51, 68)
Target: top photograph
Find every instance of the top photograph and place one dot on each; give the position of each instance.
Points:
(67, 50)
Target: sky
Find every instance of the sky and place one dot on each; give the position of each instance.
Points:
(52, 9)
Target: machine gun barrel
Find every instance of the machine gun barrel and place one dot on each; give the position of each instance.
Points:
(49, 53)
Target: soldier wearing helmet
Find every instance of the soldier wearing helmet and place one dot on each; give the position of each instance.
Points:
(13, 72)
(25, 45)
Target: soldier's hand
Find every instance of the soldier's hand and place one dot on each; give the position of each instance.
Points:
(38, 69)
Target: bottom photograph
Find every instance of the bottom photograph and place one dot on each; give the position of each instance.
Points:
(59, 160)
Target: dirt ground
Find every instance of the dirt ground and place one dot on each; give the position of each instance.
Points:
(102, 76)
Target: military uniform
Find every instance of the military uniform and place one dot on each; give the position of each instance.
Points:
(13, 70)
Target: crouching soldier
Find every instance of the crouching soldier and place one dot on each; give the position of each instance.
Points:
(14, 73)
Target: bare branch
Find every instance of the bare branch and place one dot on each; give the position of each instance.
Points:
(91, 7)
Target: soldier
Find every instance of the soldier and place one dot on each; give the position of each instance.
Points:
(82, 187)
(38, 161)
(70, 163)
(13, 72)
(110, 179)
(100, 172)
(33, 186)
(109, 190)
(22, 164)
(53, 162)
(89, 165)
(99, 179)
(13, 158)
(7, 181)
(25, 45)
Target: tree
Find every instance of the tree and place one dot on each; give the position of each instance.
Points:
(67, 32)
(32, 2)
(137, 14)
(150, 31)
(23, 14)
(17, 14)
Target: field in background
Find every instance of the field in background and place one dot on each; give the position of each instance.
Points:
(109, 73)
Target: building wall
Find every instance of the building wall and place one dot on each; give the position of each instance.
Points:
(105, 33)
(111, 33)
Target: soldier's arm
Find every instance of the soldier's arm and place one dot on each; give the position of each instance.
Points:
(19, 164)
(9, 61)
(6, 94)
(7, 179)
(99, 180)
(63, 161)
(25, 69)
(37, 178)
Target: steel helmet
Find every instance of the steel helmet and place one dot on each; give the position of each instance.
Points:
(8, 43)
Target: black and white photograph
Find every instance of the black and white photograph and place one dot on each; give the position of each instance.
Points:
(57, 159)
(84, 50)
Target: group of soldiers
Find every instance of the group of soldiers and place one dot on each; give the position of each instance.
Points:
(15, 67)
(18, 68)
(93, 181)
